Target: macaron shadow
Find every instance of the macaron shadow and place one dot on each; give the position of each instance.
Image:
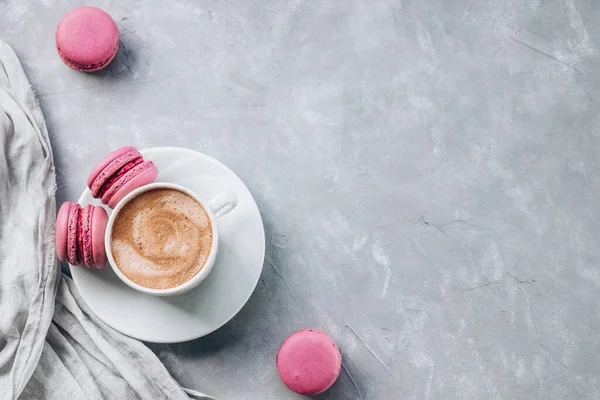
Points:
(345, 387)
(125, 64)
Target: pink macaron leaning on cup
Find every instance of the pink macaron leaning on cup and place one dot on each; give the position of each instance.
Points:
(119, 173)
(309, 362)
(87, 39)
(80, 235)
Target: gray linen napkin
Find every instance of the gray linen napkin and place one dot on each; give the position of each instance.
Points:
(51, 344)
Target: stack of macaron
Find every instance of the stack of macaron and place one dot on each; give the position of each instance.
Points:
(80, 235)
(80, 230)
(119, 173)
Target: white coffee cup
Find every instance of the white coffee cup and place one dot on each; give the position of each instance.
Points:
(217, 207)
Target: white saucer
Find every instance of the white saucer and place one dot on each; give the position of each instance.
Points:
(221, 296)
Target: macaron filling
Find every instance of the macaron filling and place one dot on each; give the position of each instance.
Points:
(115, 177)
(112, 168)
(124, 179)
(104, 163)
(87, 67)
(80, 235)
(86, 237)
(72, 253)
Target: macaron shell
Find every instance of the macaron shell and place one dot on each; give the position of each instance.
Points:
(73, 222)
(99, 222)
(85, 235)
(134, 179)
(107, 160)
(62, 227)
(112, 168)
(80, 234)
(87, 38)
(309, 362)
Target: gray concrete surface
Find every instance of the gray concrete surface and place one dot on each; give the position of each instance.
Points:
(427, 172)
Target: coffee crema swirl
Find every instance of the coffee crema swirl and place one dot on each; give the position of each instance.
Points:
(161, 238)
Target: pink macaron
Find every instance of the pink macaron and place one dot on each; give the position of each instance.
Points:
(80, 235)
(87, 39)
(309, 362)
(119, 173)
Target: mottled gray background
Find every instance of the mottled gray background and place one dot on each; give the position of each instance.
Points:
(427, 172)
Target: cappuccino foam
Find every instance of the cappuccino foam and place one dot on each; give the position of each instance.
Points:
(161, 238)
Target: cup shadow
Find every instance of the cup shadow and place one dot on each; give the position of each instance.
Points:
(227, 335)
(235, 330)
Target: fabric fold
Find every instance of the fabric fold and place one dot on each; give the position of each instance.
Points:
(87, 359)
(52, 346)
(28, 270)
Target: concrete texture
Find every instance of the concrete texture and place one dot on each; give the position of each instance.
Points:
(427, 172)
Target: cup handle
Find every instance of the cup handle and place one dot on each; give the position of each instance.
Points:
(223, 203)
